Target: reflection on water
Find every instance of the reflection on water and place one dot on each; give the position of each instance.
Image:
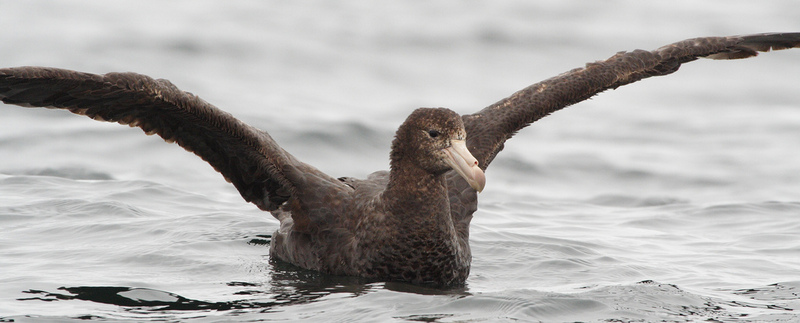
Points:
(289, 285)
(293, 286)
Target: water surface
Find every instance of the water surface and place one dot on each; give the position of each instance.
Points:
(672, 199)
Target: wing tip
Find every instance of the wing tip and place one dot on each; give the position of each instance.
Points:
(750, 45)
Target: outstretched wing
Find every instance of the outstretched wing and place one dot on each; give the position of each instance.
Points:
(249, 158)
(488, 129)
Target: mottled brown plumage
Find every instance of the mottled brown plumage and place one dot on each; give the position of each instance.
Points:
(409, 224)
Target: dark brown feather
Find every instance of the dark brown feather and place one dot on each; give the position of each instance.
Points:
(245, 156)
(410, 224)
(489, 128)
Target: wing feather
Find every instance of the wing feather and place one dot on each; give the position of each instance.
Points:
(247, 157)
(488, 129)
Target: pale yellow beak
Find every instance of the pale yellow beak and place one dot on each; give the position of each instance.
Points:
(462, 161)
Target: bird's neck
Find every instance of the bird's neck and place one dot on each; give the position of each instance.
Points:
(421, 197)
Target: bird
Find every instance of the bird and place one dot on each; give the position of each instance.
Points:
(408, 224)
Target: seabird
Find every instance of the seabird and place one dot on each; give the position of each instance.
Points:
(408, 224)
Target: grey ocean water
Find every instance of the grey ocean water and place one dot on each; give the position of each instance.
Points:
(672, 199)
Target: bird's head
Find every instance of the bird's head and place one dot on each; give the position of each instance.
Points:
(434, 139)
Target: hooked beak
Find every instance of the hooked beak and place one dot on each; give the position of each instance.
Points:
(462, 161)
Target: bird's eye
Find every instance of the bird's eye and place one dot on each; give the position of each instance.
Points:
(433, 133)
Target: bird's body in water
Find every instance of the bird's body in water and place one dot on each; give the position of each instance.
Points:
(410, 223)
(398, 224)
